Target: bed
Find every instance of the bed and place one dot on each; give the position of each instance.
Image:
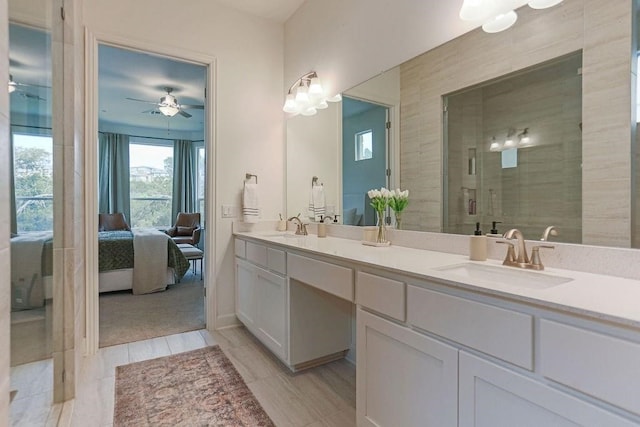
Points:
(116, 258)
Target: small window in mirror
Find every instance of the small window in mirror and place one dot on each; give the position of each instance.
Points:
(364, 145)
(510, 158)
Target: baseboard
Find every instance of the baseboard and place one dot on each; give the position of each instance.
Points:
(226, 321)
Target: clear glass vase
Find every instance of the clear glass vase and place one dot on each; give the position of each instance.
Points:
(382, 229)
(398, 220)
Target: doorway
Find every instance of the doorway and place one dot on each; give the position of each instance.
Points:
(152, 158)
(365, 165)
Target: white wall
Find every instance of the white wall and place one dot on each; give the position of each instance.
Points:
(348, 42)
(248, 117)
(313, 146)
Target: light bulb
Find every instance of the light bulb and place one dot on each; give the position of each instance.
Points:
(500, 22)
(543, 4)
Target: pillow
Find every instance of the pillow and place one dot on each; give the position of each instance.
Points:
(184, 231)
(349, 216)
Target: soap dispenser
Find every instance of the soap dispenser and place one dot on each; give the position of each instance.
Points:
(478, 245)
(494, 228)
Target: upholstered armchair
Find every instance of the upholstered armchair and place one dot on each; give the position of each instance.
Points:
(186, 229)
(112, 222)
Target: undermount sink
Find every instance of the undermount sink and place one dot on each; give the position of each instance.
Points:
(283, 235)
(505, 275)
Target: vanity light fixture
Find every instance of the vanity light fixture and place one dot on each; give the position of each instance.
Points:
(306, 96)
(509, 142)
(495, 145)
(500, 22)
(496, 15)
(524, 137)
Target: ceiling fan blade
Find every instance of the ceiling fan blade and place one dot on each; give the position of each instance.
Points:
(31, 85)
(31, 96)
(193, 107)
(184, 114)
(142, 100)
(151, 111)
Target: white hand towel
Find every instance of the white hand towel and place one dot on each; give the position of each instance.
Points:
(317, 203)
(250, 207)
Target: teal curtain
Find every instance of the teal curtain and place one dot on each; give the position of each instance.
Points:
(113, 174)
(12, 186)
(184, 197)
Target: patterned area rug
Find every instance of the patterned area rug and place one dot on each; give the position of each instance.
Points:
(196, 388)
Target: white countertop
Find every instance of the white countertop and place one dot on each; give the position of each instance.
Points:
(592, 295)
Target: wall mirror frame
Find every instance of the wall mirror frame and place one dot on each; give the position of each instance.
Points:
(608, 133)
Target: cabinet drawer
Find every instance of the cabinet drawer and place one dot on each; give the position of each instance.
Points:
(605, 367)
(240, 247)
(380, 294)
(505, 334)
(277, 260)
(257, 254)
(327, 277)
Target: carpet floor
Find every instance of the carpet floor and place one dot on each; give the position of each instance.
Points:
(199, 387)
(125, 317)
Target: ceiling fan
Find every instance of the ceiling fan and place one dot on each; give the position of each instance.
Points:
(168, 105)
(16, 87)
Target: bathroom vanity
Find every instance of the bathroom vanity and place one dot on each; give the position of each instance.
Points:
(442, 341)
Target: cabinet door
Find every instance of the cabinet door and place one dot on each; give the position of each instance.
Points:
(271, 293)
(245, 293)
(494, 396)
(403, 378)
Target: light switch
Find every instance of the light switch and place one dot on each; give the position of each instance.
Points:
(228, 211)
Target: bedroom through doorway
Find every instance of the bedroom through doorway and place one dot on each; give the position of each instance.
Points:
(151, 200)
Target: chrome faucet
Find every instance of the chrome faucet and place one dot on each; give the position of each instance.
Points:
(301, 228)
(519, 258)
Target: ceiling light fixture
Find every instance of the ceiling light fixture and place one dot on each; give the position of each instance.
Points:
(500, 22)
(306, 96)
(168, 105)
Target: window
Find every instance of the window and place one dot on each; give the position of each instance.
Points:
(364, 145)
(151, 180)
(33, 175)
(201, 180)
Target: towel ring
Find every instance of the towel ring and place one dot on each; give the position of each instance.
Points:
(248, 176)
(314, 181)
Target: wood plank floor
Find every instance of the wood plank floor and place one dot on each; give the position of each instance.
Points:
(322, 396)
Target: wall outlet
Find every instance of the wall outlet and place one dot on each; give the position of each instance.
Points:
(229, 211)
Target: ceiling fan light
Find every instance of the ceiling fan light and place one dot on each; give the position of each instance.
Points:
(168, 110)
(500, 22)
(543, 4)
(12, 87)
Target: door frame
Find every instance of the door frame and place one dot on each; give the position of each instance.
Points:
(92, 41)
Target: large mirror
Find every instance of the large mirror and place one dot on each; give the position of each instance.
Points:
(587, 175)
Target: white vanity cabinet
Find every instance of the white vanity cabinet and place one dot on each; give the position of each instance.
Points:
(298, 307)
(494, 396)
(403, 378)
(261, 297)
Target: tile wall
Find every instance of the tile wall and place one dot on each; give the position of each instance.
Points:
(603, 31)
